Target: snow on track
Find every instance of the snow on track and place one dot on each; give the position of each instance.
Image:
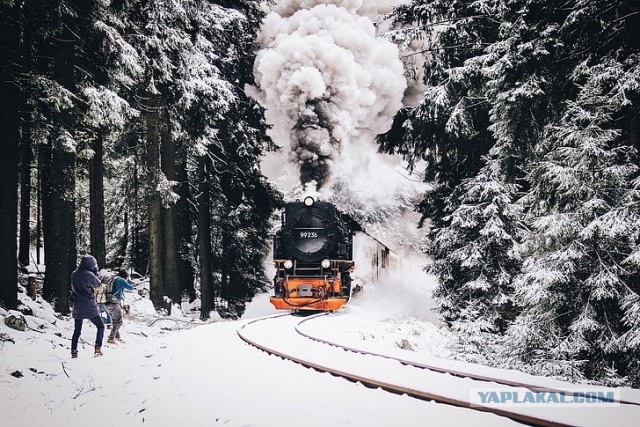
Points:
(280, 334)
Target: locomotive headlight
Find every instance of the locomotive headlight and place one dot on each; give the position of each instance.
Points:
(288, 264)
(326, 263)
(308, 201)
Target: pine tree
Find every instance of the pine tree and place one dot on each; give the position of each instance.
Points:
(577, 288)
(60, 210)
(579, 284)
(475, 128)
(121, 71)
(448, 128)
(196, 58)
(550, 110)
(474, 257)
(242, 202)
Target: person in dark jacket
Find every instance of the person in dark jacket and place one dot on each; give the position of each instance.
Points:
(85, 283)
(114, 304)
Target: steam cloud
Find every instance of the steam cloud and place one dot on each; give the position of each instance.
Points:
(329, 85)
(325, 80)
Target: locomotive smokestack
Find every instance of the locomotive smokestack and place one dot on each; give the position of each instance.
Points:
(326, 81)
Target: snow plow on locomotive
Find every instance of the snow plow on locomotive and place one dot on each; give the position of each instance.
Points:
(313, 256)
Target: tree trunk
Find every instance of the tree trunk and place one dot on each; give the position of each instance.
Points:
(10, 131)
(44, 192)
(60, 223)
(25, 189)
(26, 151)
(38, 220)
(171, 249)
(183, 225)
(96, 201)
(60, 215)
(156, 282)
(138, 259)
(205, 248)
(225, 286)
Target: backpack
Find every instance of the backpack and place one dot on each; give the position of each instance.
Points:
(106, 290)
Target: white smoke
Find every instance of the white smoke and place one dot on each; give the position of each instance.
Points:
(329, 85)
(371, 9)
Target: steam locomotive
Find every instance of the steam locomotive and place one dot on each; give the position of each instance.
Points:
(313, 256)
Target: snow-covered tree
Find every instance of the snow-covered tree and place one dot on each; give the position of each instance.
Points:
(242, 201)
(488, 97)
(474, 257)
(448, 128)
(557, 84)
(579, 284)
(195, 58)
(131, 94)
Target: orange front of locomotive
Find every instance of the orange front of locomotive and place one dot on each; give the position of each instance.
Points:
(309, 293)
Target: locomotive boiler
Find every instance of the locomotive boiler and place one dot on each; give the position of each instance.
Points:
(313, 256)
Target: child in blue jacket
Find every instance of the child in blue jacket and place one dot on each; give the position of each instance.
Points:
(114, 304)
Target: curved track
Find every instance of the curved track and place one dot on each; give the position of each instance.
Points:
(282, 336)
(453, 372)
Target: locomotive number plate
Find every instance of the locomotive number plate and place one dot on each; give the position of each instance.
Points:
(308, 234)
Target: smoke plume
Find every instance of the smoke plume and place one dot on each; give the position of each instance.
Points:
(329, 85)
(325, 80)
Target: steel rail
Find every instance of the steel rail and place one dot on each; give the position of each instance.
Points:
(452, 372)
(393, 388)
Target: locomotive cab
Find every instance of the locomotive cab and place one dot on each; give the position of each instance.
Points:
(313, 257)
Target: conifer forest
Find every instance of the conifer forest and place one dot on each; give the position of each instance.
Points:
(128, 132)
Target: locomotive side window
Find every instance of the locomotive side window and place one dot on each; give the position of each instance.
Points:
(385, 257)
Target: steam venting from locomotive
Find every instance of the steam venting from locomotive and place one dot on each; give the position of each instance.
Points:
(326, 81)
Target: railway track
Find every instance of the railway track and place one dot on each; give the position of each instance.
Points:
(282, 335)
(450, 371)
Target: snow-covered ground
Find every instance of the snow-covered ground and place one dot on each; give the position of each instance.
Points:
(176, 371)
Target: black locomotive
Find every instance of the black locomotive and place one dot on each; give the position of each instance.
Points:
(313, 255)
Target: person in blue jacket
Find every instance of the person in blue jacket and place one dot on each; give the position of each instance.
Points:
(114, 304)
(85, 283)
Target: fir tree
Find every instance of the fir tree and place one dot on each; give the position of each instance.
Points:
(448, 128)
(579, 284)
(491, 98)
(557, 89)
(474, 257)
